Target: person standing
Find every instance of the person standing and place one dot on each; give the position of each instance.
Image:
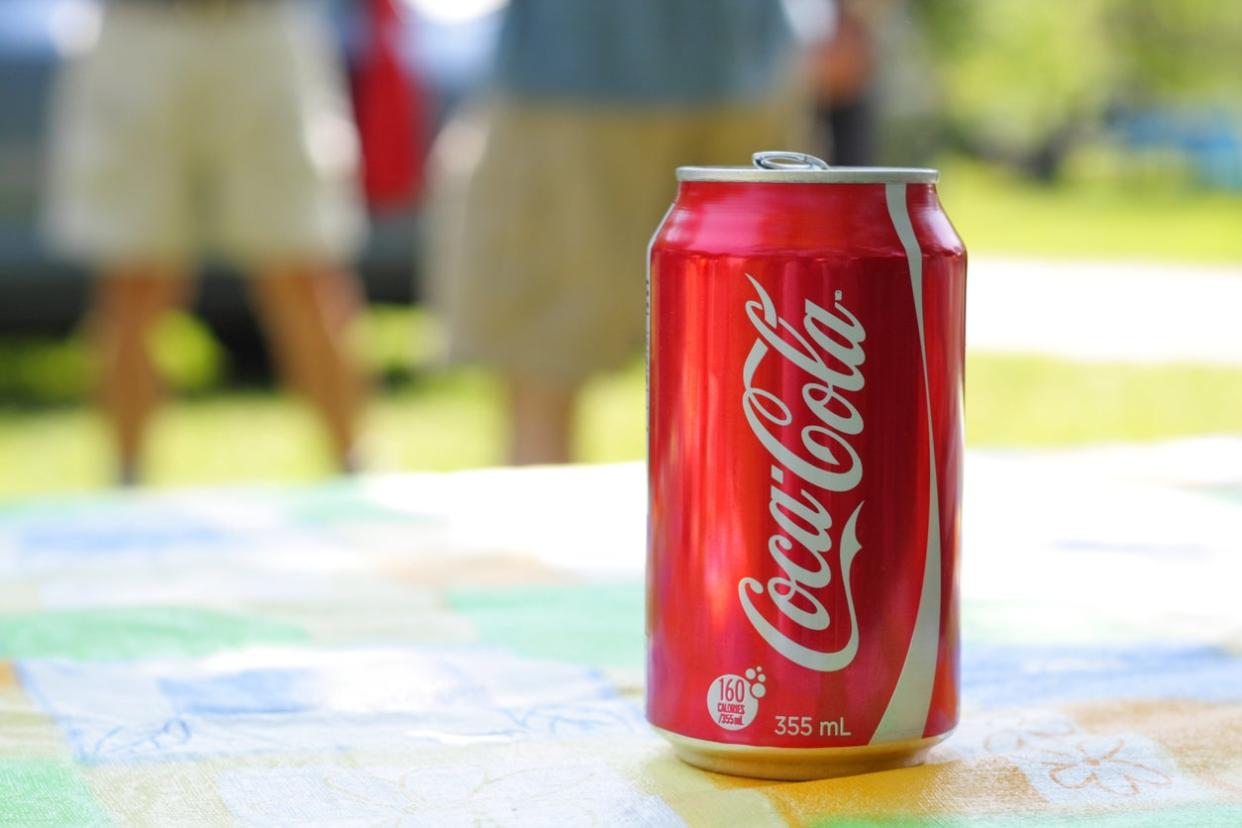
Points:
(545, 194)
(223, 125)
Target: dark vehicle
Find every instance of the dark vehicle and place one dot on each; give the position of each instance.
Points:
(446, 45)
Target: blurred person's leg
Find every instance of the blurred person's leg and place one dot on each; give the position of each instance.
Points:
(607, 180)
(307, 311)
(541, 215)
(284, 155)
(130, 301)
(538, 263)
(539, 415)
(120, 198)
(541, 422)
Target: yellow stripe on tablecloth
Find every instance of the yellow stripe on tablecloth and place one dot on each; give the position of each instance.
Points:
(930, 790)
(25, 733)
(698, 797)
(8, 678)
(1103, 756)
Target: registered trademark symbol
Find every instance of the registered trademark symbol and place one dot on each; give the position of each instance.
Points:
(837, 296)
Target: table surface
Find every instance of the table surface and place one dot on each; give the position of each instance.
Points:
(467, 649)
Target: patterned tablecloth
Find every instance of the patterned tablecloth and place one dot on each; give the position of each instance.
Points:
(467, 649)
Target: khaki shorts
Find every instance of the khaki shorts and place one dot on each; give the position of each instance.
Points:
(189, 127)
(541, 218)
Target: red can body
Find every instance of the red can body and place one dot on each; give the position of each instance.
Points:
(806, 348)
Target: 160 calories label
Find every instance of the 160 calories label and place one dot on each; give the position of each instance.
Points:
(733, 700)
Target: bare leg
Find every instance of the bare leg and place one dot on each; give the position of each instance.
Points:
(307, 311)
(129, 301)
(542, 421)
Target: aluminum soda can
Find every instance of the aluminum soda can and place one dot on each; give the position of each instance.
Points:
(806, 331)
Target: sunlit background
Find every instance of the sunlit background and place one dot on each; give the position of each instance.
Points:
(1091, 157)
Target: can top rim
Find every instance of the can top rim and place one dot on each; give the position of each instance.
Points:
(831, 175)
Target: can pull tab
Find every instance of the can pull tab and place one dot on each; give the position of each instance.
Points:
(782, 160)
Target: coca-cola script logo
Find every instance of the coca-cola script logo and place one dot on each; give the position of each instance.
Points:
(828, 349)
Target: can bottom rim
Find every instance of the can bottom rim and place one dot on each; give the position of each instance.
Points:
(799, 764)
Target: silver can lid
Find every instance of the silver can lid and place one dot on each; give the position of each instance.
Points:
(780, 167)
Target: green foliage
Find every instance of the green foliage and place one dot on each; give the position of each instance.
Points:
(1016, 75)
(391, 340)
(187, 355)
(44, 370)
(1171, 51)
(1027, 69)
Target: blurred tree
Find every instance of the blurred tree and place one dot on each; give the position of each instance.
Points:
(1023, 81)
(1018, 75)
(1169, 52)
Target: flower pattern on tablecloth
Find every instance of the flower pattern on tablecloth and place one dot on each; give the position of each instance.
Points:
(1068, 765)
(1104, 763)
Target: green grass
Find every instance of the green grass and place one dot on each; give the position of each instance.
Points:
(445, 420)
(454, 421)
(1000, 213)
(1031, 401)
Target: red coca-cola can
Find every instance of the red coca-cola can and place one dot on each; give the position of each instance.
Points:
(806, 345)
